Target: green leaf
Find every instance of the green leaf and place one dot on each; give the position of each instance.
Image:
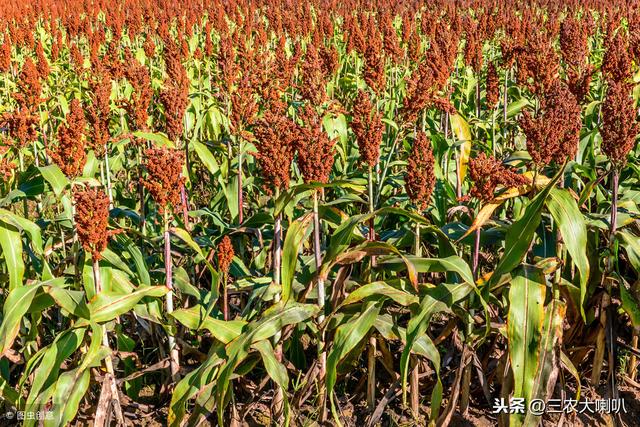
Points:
(56, 179)
(346, 338)
(275, 369)
(108, 304)
(195, 318)
(11, 245)
(296, 235)
(381, 288)
(274, 320)
(631, 302)
(15, 307)
(573, 228)
(520, 234)
(453, 264)
(70, 388)
(437, 299)
(70, 300)
(159, 139)
(186, 237)
(549, 360)
(524, 330)
(31, 228)
(461, 130)
(48, 366)
(206, 157)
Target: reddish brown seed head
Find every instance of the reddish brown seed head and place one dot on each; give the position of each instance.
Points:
(92, 219)
(164, 176)
(420, 178)
(487, 173)
(43, 64)
(29, 87)
(69, 153)
(99, 113)
(619, 128)
(5, 55)
(21, 126)
(493, 86)
(225, 254)
(175, 96)
(616, 64)
(554, 134)
(315, 149)
(368, 127)
(275, 139)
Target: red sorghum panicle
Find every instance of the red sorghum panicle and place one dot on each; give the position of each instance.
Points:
(368, 127)
(311, 70)
(487, 173)
(29, 86)
(5, 55)
(373, 72)
(92, 219)
(554, 134)
(537, 61)
(99, 113)
(275, 136)
(229, 70)
(43, 65)
(574, 42)
(69, 152)
(21, 126)
(138, 106)
(616, 64)
(149, 46)
(7, 168)
(619, 127)
(164, 176)
(225, 254)
(432, 74)
(76, 57)
(175, 96)
(315, 149)
(420, 178)
(493, 86)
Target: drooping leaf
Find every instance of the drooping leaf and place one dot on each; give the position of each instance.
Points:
(524, 330)
(573, 229)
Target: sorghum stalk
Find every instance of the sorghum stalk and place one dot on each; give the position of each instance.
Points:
(174, 360)
(371, 352)
(240, 191)
(110, 375)
(108, 175)
(321, 303)
(414, 379)
(278, 399)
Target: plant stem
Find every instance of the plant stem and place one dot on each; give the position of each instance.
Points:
(414, 379)
(278, 399)
(240, 192)
(108, 174)
(321, 305)
(110, 375)
(371, 373)
(225, 297)
(174, 360)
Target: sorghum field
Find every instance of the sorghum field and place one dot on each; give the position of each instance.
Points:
(329, 212)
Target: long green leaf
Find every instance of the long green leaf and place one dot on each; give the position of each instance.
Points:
(573, 228)
(520, 234)
(15, 307)
(11, 245)
(296, 235)
(524, 330)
